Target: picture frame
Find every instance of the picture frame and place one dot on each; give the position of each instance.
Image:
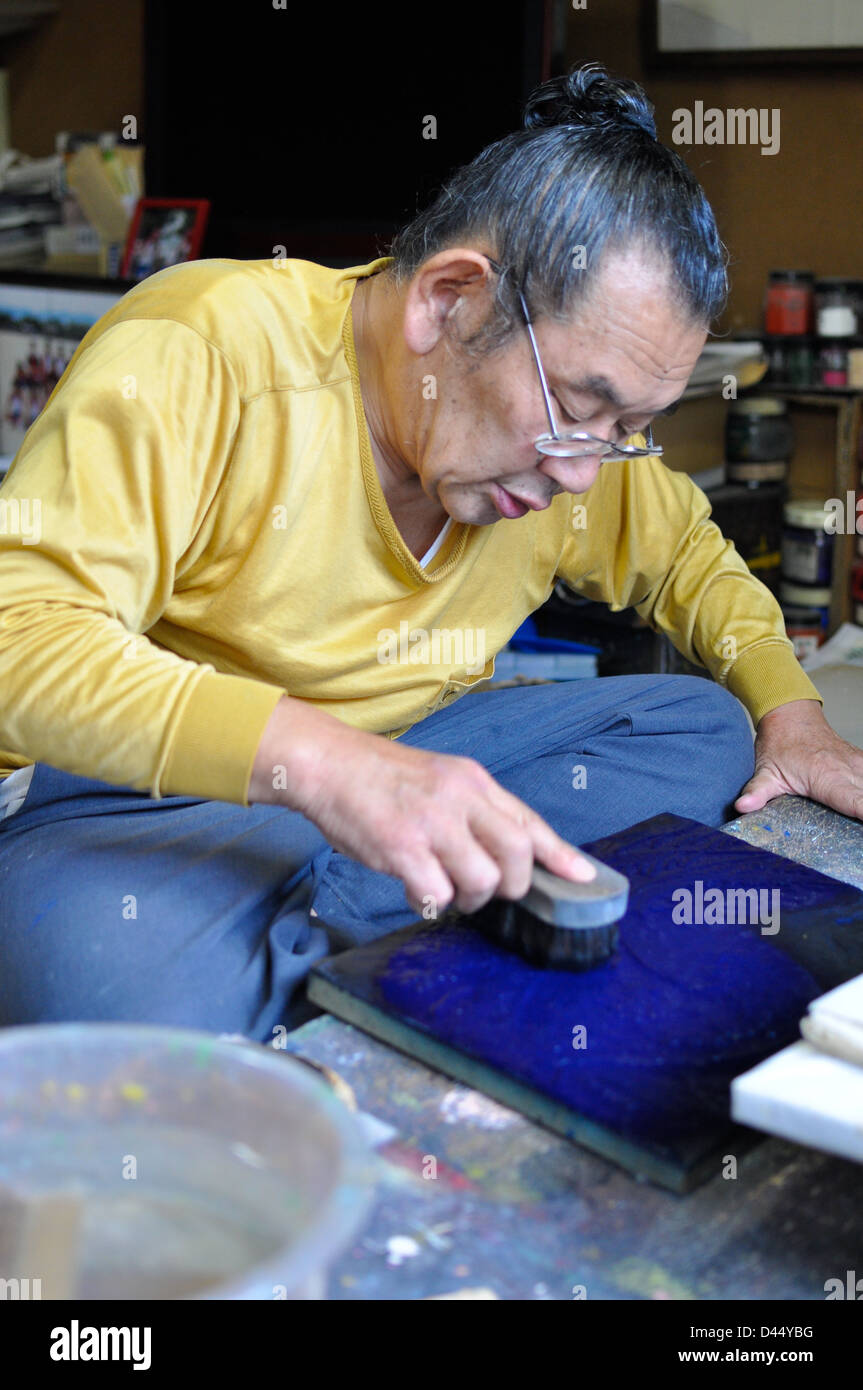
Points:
(163, 232)
(722, 33)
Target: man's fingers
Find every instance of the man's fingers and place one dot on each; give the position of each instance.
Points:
(559, 856)
(548, 847)
(428, 887)
(487, 851)
(475, 872)
(761, 788)
(838, 785)
(460, 874)
(509, 845)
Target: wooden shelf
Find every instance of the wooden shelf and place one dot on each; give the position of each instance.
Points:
(812, 395)
(847, 405)
(825, 462)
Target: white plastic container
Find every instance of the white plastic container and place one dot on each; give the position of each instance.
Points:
(204, 1168)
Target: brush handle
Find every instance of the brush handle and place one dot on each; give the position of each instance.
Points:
(562, 903)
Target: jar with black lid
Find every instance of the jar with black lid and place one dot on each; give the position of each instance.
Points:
(759, 439)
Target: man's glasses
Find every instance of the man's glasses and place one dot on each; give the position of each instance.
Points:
(575, 443)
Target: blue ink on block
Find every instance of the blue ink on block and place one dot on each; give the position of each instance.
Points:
(669, 1021)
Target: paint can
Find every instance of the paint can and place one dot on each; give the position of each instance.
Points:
(833, 363)
(754, 474)
(789, 302)
(807, 545)
(790, 361)
(836, 307)
(812, 597)
(803, 626)
(800, 362)
(759, 440)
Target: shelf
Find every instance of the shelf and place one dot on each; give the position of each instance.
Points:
(848, 407)
(692, 440)
(810, 395)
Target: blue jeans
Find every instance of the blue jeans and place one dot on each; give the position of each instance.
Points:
(115, 906)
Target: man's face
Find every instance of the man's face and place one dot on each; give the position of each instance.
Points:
(624, 357)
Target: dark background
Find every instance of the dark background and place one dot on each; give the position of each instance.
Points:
(304, 126)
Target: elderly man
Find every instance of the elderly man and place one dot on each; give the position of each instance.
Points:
(221, 765)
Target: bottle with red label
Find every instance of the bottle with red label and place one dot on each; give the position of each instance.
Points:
(789, 307)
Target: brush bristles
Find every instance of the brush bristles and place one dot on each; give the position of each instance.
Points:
(542, 943)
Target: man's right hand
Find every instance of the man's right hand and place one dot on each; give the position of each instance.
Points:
(440, 823)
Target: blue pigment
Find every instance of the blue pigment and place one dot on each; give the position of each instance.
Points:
(669, 1020)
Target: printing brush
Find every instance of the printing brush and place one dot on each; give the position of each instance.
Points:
(558, 923)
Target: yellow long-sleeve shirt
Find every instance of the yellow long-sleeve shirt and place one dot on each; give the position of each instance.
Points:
(194, 526)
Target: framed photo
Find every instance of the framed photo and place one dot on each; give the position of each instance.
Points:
(718, 32)
(163, 232)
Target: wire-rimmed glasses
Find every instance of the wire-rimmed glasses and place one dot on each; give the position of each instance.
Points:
(575, 443)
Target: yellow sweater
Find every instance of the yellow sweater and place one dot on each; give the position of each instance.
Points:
(194, 525)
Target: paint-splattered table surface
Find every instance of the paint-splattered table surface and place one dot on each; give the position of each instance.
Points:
(811, 834)
(474, 1197)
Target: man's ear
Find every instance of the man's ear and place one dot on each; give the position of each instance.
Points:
(447, 284)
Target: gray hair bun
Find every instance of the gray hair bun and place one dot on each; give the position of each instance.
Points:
(589, 96)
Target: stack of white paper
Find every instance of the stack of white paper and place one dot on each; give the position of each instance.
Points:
(812, 1092)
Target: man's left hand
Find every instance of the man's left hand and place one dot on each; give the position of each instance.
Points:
(797, 753)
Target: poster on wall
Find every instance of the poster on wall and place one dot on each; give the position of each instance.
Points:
(739, 28)
(40, 328)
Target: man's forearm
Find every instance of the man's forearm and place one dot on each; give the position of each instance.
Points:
(293, 752)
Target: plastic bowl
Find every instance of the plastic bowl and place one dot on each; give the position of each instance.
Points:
(204, 1168)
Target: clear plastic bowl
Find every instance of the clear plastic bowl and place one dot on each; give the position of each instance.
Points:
(205, 1168)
